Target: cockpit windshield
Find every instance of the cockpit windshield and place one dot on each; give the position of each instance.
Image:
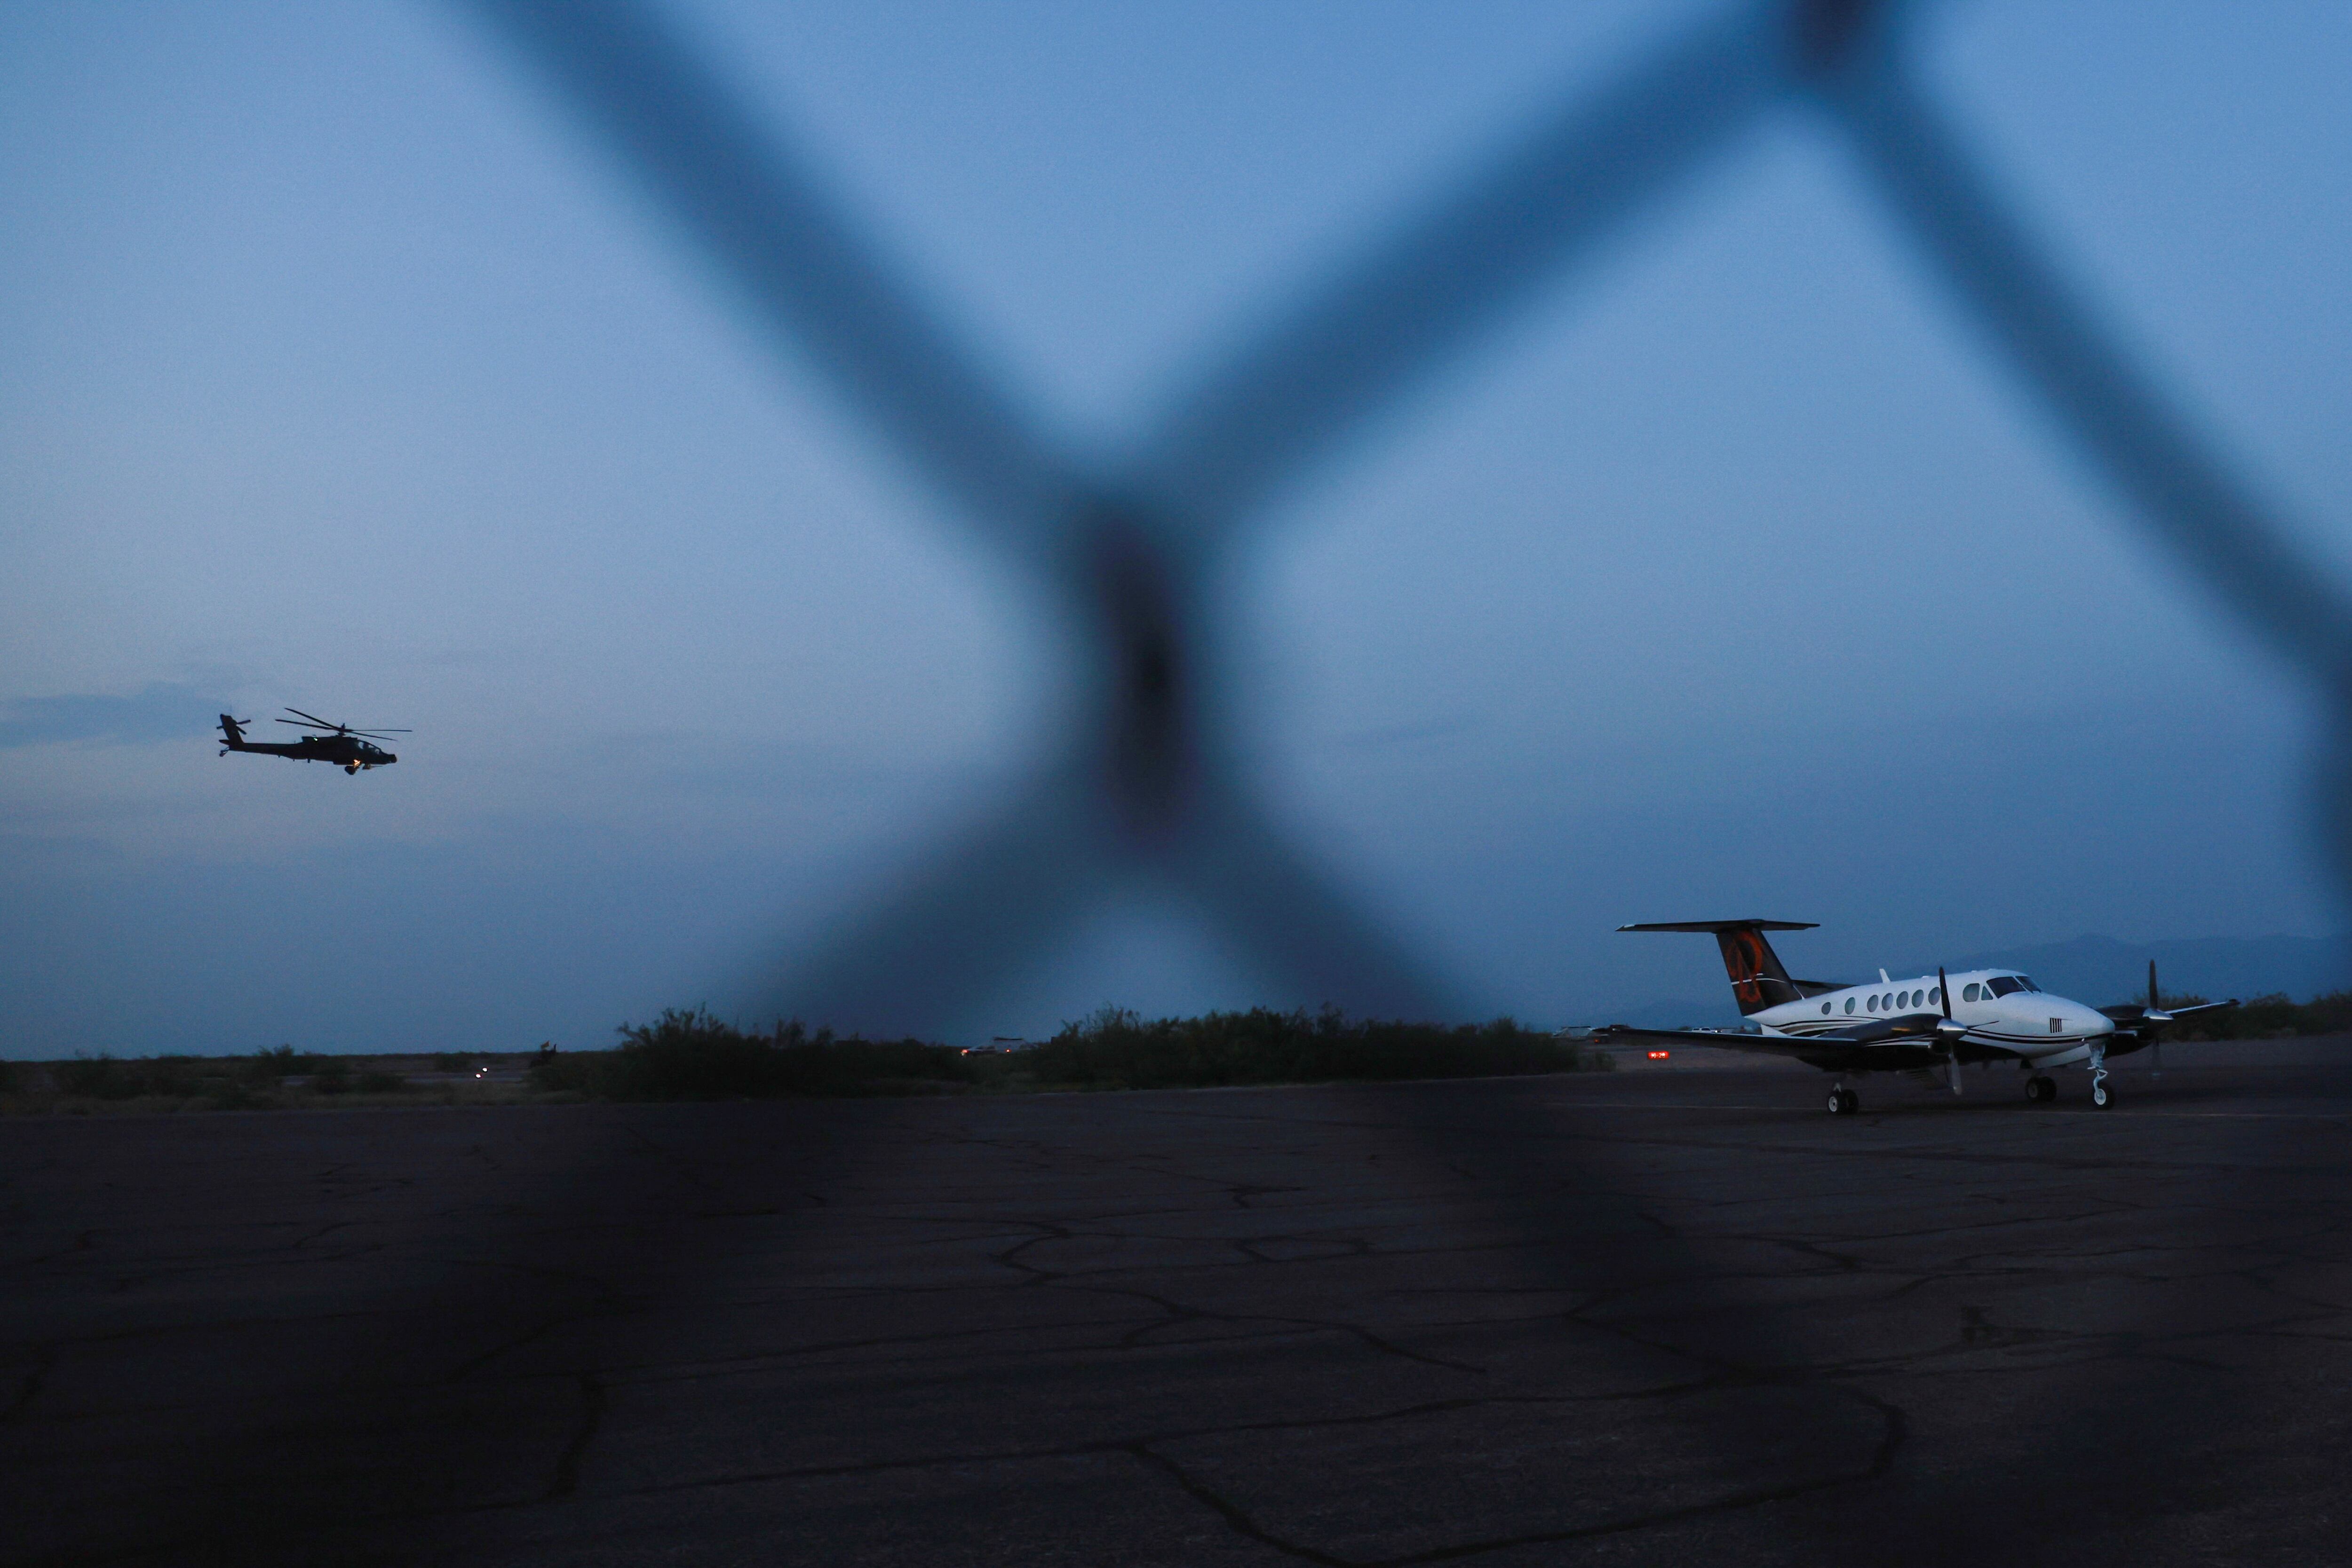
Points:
(2005, 985)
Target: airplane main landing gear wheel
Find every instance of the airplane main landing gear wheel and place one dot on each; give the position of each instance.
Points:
(1845, 1101)
(2041, 1089)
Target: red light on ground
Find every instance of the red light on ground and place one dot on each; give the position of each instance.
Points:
(1657, 1056)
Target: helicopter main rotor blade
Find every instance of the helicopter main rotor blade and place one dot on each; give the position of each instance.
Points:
(383, 732)
(297, 723)
(313, 717)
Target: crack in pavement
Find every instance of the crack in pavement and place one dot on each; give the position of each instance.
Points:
(45, 1361)
(1107, 1277)
(566, 1480)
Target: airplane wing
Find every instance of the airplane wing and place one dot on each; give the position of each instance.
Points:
(2136, 1028)
(2177, 1014)
(2147, 1022)
(2131, 1015)
(1881, 1045)
(1763, 1044)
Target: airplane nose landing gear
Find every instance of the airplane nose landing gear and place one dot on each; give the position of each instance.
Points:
(2101, 1096)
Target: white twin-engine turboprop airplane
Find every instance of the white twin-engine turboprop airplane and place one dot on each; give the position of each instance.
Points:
(1918, 1025)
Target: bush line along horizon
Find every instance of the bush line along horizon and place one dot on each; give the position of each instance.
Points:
(688, 1054)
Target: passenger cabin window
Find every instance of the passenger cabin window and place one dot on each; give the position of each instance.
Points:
(1871, 1004)
(1935, 996)
(1825, 1010)
(1971, 994)
(1849, 1004)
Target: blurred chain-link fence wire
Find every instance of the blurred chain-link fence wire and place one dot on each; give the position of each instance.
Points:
(1144, 786)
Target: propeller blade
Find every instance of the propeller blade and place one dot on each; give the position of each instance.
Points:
(1950, 1031)
(2152, 1006)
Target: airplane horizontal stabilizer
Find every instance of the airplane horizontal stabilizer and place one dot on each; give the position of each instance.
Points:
(1725, 926)
(1758, 979)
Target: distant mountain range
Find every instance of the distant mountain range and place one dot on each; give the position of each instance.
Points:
(2099, 971)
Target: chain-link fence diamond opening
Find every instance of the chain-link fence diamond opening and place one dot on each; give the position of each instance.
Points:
(1143, 787)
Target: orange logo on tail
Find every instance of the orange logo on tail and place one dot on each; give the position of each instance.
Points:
(1743, 959)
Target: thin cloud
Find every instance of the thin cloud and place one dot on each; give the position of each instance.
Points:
(161, 711)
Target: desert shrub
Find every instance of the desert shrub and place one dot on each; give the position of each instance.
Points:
(330, 1075)
(284, 1062)
(99, 1077)
(688, 1055)
(2268, 1017)
(104, 1077)
(1117, 1049)
(578, 1072)
(2329, 1014)
(2261, 1016)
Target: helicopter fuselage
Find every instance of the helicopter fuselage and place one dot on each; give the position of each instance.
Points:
(348, 752)
(341, 750)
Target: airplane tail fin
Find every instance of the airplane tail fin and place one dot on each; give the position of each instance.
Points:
(232, 734)
(1758, 979)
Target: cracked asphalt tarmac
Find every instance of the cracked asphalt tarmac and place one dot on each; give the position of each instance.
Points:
(1629, 1318)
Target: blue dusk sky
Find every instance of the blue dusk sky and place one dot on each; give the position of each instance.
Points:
(1730, 575)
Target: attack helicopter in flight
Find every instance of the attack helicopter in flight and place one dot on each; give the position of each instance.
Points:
(348, 748)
